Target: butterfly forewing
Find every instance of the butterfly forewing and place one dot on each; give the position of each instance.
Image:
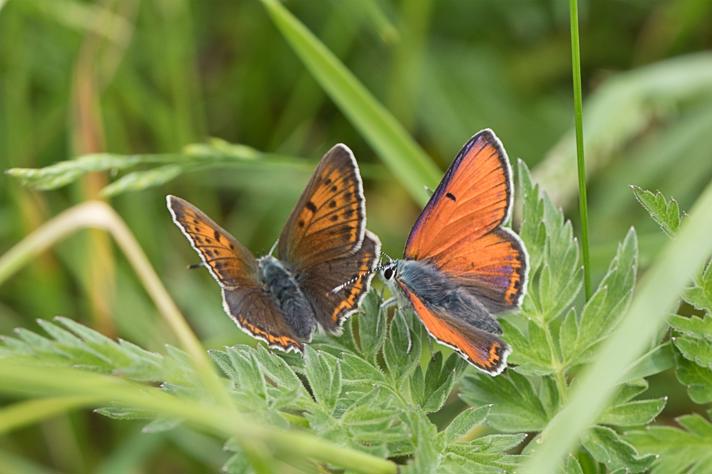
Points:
(230, 263)
(333, 308)
(459, 230)
(472, 199)
(328, 222)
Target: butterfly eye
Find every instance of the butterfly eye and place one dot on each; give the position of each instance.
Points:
(388, 273)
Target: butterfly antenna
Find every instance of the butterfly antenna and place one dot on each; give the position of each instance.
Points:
(274, 246)
(358, 276)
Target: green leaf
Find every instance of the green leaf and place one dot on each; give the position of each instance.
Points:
(402, 349)
(406, 160)
(636, 413)
(665, 212)
(684, 449)
(515, 405)
(693, 326)
(324, 375)
(555, 272)
(696, 350)
(607, 447)
(700, 296)
(602, 312)
(372, 325)
(531, 351)
(698, 379)
(464, 422)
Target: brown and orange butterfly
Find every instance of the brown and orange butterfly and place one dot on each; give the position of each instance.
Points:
(461, 266)
(282, 299)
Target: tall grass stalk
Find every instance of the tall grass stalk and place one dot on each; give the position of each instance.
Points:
(578, 125)
(659, 290)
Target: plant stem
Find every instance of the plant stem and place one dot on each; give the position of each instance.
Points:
(581, 162)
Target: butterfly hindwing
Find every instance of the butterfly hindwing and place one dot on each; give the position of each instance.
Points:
(332, 308)
(473, 198)
(254, 312)
(328, 221)
(482, 349)
(228, 261)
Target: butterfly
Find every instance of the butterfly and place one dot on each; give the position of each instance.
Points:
(460, 266)
(282, 299)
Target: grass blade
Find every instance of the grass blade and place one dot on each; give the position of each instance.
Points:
(580, 161)
(406, 160)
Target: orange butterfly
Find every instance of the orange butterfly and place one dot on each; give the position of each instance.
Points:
(282, 299)
(460, 266)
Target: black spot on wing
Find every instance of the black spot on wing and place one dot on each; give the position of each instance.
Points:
(451, 196)
(311, 206)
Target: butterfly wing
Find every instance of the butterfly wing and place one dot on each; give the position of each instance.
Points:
(228, 261)
(482, 349)
(329, 219)
(459, 231)
(331, 308)
(256, 314)
(236, 270)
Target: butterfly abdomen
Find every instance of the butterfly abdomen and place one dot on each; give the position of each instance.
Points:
(288, 296)
(443, 295)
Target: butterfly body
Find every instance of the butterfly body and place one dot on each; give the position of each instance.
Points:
(461, 268)
(282, 286)
(282, 298)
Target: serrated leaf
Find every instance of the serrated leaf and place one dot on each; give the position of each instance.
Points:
(555, 273)
(530, 352)
(698, 379)
(515, 405)
(636, 413)
(685, 449)
(696, 350)
(372, 326)
(607, 447)
(693, 326)
(464, 422)
(700, 296)
(324, 375)
(665, 212)
(497, 443)
(401, 351)
(440, 379)
(602, 311)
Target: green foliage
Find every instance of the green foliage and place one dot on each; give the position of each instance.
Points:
(552, 337)
(684, 449)
(693, 335)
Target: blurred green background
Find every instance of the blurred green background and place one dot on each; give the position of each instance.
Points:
(132, 76)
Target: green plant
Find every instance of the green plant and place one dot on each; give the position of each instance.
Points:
(383, 390)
